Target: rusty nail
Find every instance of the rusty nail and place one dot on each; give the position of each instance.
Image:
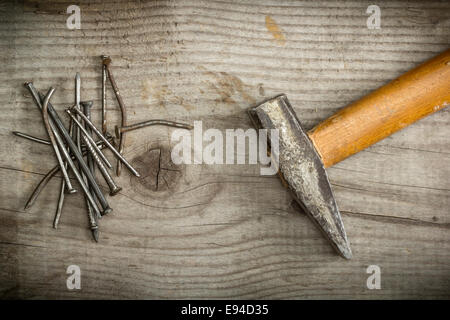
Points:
(104, 127)
(87, 105)
(88, 137)
(90, 212)
(50, 130)
(30, 137)
(113, 188)
(99, 134)
(79, 159)
(61, 197)
(106, 64)
(34, 195)
(120, 131)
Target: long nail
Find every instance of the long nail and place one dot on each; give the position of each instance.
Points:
(77, 154)
(104, 127)
(80, 126)
(51, 135)
(147, 123)
(44, 181)
(74, 169)
(61, 197)
(114, 151)
(29, 137)
(106, 63)
(87, 105)
(47, 142)
(41, 186)
(77, 104)
(113, 188)
(72, 165)
(90, 212)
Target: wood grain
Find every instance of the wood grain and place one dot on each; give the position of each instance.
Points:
(223, 231)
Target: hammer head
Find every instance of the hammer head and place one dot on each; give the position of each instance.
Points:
(301, 167)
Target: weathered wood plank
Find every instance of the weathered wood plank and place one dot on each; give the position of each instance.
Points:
(223, 231)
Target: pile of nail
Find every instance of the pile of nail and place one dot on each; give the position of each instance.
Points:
(75, 149)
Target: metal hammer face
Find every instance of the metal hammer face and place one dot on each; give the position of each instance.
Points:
(301, 167)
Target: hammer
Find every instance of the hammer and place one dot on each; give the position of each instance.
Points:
(302, 157)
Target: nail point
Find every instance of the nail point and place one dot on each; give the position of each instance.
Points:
(95, 234)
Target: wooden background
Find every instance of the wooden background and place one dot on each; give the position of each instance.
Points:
(223, 231)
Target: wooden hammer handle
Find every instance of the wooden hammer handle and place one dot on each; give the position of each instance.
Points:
(412, 96)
